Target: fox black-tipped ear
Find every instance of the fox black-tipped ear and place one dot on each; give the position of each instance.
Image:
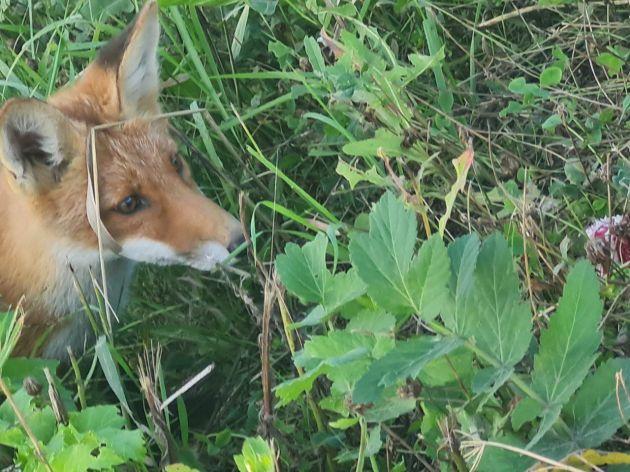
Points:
(134, 56)
(36, 140)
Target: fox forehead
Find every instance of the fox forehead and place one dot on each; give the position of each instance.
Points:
(132, 157)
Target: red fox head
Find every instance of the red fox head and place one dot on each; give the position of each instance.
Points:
(148, 200)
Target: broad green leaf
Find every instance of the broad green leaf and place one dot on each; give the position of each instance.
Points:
(526, 410)
(498, 459)
(428, 278)
(550, 76)
(96, 418)
(489, 379)
(462, 165)
(264, 7)
(290, 390)
(383, 256)
(612, 63)
(83, 457)
(406, 360)
(601, 405)
(372, 322)
(332, 346)
(303, 269)
(550, 123)
(389, 407)
(343, 288)
(454, 367)
(384, 143)
(568, 346)
(127, 444)
(354, 175)
(463, 253)
(498, 319)
(326, 355)
(520, 86)
(256, 456)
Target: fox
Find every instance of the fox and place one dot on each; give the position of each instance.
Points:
(149, 207)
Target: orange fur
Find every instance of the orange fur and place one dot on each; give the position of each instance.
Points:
(43, 183)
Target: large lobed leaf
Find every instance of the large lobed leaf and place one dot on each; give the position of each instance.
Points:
(304, 273)
(568, 346)
(498, 319)
(463, 253)
(383, 259)
(406, 360)
(601, 405)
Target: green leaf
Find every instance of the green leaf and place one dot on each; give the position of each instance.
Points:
(314, 55)
(384, 142)
(264, 7)
(256, 456)
(344, 423)
(127, 444)
(463, 253)
(332, 347)
(550, 123)
(496, 458)
(454, 367)
(512, 108)
(372, 447)
(290, 390)
(96, 418)
(383, 260)
(428, 278)
(612, 63)
(389, 407)
(354, 175)
(526, 410)
(239, 32)
(568, 346)
(406, 360)
(499, 320)
(550, 76)
(303, 269)
(601, 405)
(372, 322)
(383, 256)
(520, 86)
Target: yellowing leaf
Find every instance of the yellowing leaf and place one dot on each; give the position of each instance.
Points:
(462, 165)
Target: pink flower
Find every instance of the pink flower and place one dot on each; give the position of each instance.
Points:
(609, 242)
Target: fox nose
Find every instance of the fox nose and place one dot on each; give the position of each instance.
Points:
(236, 240)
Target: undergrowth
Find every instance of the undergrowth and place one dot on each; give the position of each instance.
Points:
(453, 325)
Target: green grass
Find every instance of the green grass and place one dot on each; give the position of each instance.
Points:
(282, 113)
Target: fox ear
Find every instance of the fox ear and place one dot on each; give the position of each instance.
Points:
(36, 142)
(134, 56)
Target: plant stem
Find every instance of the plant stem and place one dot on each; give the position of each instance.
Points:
(363, 445)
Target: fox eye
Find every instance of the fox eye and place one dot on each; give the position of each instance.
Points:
(130, 204)
(177, 164)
